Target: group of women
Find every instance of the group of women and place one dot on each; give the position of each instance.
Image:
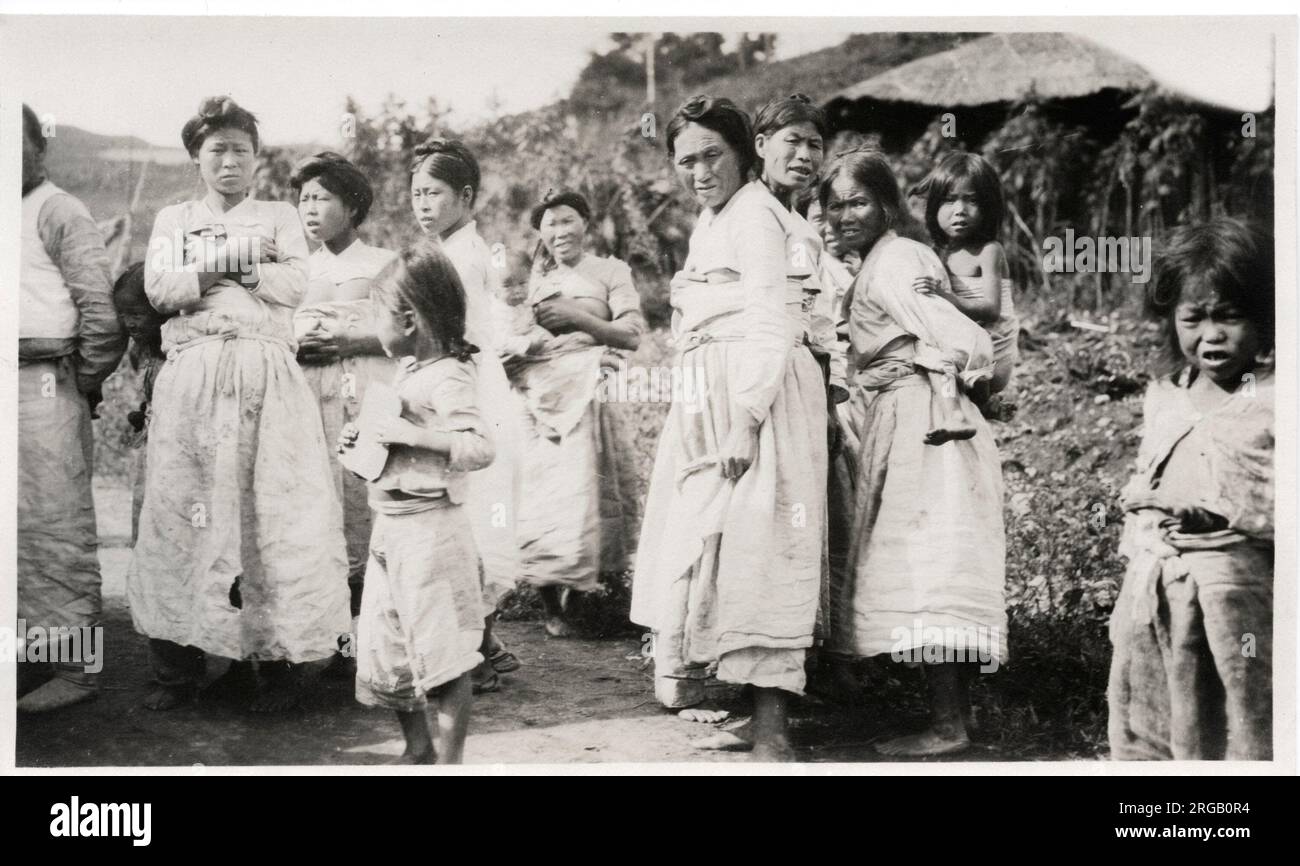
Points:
(801, 506)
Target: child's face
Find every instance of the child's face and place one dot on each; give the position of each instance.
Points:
(140, 323)
(437, 206)
(959, 212)
(324, 215)
(226, 161)
(1217, 339)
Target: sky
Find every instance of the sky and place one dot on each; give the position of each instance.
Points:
(144, 76)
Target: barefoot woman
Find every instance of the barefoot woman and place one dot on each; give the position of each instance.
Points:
(729, 564)
(928, 546)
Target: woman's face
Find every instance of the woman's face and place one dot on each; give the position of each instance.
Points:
(562, 229)
(830, 238)
(324, 215)
(791, 156)
(226, 161)
(706, 165)
(854, 214)
(437, 206)
(959, 212)
(1217, 338)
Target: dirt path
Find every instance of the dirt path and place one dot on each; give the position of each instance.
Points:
(572, 701)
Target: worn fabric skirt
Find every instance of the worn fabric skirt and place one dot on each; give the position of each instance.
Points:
(578, 511)
(928, 552)
(240, 550)
(422, 612)
(729, 570)
(1191, 673)
(58, 564)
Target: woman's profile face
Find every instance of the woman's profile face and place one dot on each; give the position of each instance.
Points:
(791, 156)
(706, 165)
(436, 204)
(562, 229)
(226, 161)
(854, 215)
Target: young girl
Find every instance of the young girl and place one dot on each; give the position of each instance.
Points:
(337, 347)
(422, 612)
(1191, 677)
(445, 179)
(143, 324)
(963, 210)
(241, 548)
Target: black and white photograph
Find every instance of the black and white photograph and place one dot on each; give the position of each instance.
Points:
(617, 393)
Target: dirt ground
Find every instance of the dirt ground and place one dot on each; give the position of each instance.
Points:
(572, 701)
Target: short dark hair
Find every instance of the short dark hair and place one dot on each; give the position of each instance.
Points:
(569, 198)
(1231, 258)
(423, 281)
(215, 113)
(722, 116)
(449, 160)
(868, 169)
(32, 128)
(787, 111)
(953, 168)
(339, 176)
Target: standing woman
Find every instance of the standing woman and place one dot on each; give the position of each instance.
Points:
(729, 566)
(927, 557)
(241, 549)
(789, 136)
(338, 347)
(445, 180)
(575, 519)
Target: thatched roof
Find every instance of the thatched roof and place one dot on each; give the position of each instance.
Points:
(1004, 67)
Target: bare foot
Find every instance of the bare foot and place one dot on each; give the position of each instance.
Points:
(169, 697)
(54, 695)
(927, 744)
(949, 433)
(705, 717)
(558, 626)
(736, 739)
(410, 758)
(775, 751)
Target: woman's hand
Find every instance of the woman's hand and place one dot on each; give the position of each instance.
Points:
(398, 431)
(738, 452)
(348, 437)
(268, 251)
(326, 341)
(1195, 519)
(561, 316)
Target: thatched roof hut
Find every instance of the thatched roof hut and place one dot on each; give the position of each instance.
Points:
(978, 81)
(1003, 67)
